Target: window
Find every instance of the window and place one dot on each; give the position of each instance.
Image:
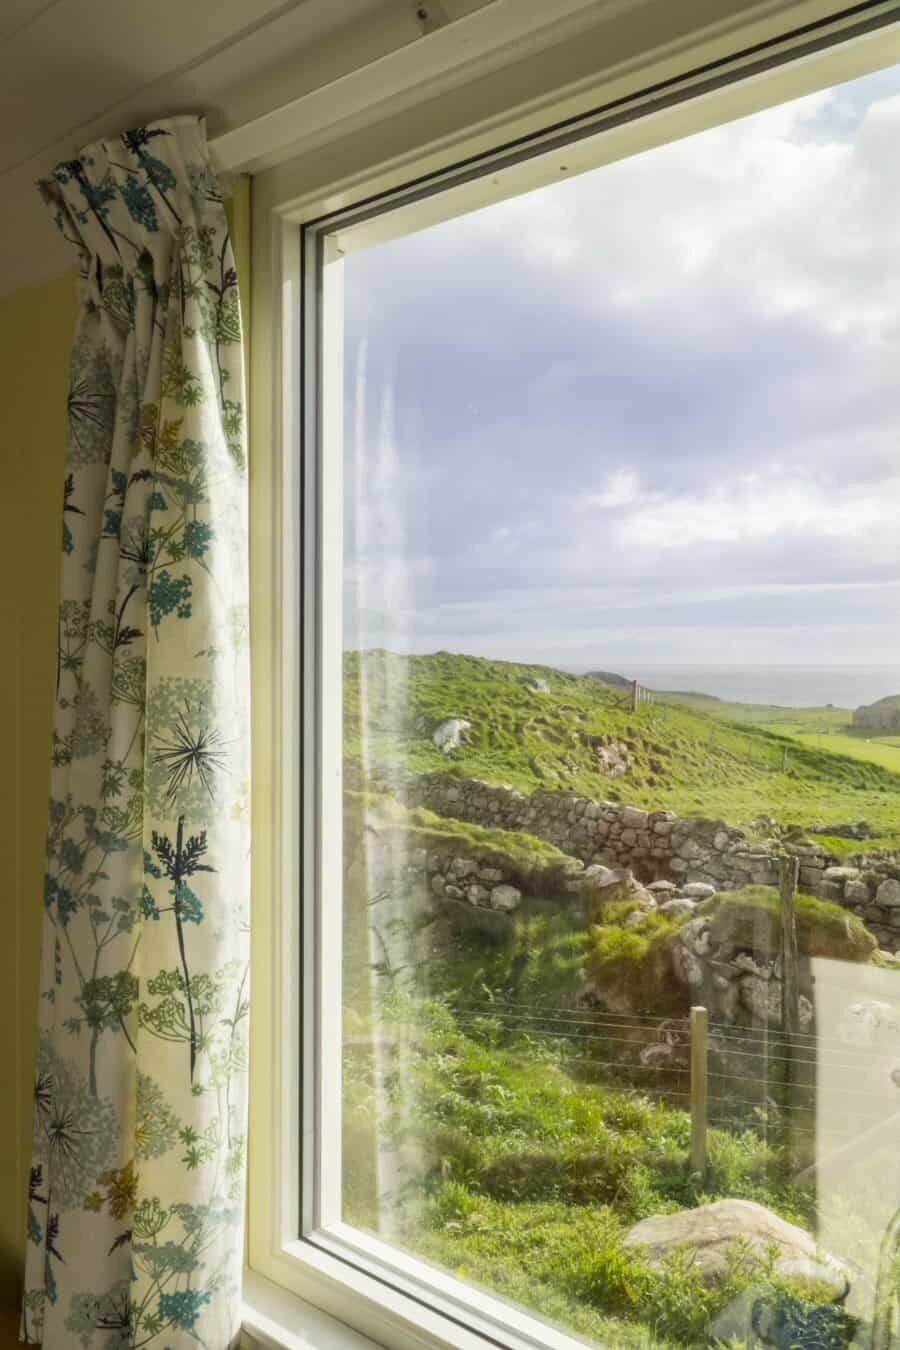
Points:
(588, 947)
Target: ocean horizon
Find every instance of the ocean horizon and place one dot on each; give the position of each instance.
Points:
(784, 686)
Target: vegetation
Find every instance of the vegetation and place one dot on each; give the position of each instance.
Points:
(827, 728)
(425, 828)
(515, 1173)
(696, 757)
(497, 1126)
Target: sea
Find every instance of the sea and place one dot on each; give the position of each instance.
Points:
(785, 686)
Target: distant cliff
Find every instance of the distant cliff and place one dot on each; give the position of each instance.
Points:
(881, 716)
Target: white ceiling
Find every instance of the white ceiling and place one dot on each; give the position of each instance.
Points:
(75, 70)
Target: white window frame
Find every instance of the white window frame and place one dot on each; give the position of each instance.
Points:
(388, 1298)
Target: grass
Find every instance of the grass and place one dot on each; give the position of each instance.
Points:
(516, 1175)
(425, 828)
(687, 757)
(488, 1132)
(827, 728)
(869, 749)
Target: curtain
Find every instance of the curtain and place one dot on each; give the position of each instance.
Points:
(137, 1179)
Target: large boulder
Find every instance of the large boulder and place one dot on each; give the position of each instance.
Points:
(743, 926)
(615, 883)
(447, 735)
(709, 1231)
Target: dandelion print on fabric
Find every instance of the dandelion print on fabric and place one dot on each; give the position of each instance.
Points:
(136, 1187)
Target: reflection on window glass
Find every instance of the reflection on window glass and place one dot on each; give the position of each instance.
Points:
(622, 738)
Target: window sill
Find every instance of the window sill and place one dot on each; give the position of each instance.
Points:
(275, 1319)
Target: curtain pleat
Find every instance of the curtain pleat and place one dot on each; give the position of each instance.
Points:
(136, 1190)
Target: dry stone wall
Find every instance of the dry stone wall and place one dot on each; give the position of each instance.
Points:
(657, 845)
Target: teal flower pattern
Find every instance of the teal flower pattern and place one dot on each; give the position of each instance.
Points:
(136, 1186)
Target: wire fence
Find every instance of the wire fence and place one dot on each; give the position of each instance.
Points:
(750, 746)
(800, 1086)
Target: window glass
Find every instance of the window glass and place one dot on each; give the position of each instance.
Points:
(622, 738)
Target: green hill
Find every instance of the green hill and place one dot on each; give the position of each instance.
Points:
(533, 726)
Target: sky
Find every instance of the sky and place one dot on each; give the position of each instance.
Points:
(645, 416)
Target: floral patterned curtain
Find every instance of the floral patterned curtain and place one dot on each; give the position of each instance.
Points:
(137, 1177)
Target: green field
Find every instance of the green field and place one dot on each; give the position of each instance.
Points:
(688, 753)
(827, 728)
(874, 750)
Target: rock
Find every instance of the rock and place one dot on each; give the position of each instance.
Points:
(841, 873)
(447, 735)
(709, 1231)
(678, 905)
(632, 818)
(437, 885)
(697, 937)
(698, 890)
(762, 998)
(536, 685)
(609, 883)
(856, 893)
(477, 895)
(611, 760)
(692, 969)
(463, 867)
(635, 917)
(506, 898)
(454, 892)
(490, 874)
(747, 963)
(662, 887)
(888, 894)
(860, 1020)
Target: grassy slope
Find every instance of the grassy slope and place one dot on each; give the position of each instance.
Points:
(826, 728)
(700, 757)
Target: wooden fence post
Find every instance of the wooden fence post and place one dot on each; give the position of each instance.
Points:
(784, 751)
(699, 1027)
(634, 695)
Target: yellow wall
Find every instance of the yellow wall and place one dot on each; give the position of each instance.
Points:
(36, 327)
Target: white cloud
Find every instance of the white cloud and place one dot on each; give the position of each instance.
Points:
(622, 489)
(683, 369)
(754, 507)
(788, 222)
